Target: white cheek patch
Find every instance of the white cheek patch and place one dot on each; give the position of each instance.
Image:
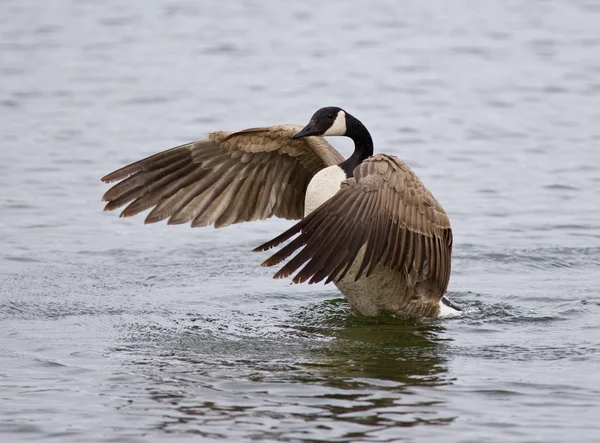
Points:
(339, 125)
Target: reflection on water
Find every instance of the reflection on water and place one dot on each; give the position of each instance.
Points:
(400, 350)
(355, 375)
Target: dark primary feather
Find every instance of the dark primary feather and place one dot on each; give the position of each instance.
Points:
(224, 179)
(385, 207)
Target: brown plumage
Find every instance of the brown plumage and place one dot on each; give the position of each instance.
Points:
(383, 239)
(379, 236)
(224, 179)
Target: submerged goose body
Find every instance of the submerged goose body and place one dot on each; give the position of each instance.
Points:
(367, 224)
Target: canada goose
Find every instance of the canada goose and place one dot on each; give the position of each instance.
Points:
(370, 226)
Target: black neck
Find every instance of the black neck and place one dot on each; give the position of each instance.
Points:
(363, 145)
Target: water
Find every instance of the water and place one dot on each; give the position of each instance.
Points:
(115, 331)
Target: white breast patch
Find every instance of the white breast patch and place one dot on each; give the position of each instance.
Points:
(322, 187)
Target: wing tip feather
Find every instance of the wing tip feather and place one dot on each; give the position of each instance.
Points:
(266, 246)
(281, 275)
(271, 262)
(176, 221)
(117, 175)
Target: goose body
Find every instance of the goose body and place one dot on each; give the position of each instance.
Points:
(367, 223)
(377, 293)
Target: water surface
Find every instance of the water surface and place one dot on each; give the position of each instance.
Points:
(115, 331)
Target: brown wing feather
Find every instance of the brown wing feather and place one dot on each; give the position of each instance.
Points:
(224, 179)
(385, 207)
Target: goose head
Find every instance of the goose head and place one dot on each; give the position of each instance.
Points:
(325, 122)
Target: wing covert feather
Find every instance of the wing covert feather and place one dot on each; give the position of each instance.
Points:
(224, 179)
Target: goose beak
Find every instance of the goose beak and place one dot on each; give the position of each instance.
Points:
(307, 131)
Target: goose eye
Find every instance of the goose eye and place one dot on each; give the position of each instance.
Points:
(330, 116)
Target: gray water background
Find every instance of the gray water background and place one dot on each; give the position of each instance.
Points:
(115, 331)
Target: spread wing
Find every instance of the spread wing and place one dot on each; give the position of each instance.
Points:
(224, 179)
(384, 207)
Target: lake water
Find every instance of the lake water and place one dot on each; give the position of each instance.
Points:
(115, 331)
